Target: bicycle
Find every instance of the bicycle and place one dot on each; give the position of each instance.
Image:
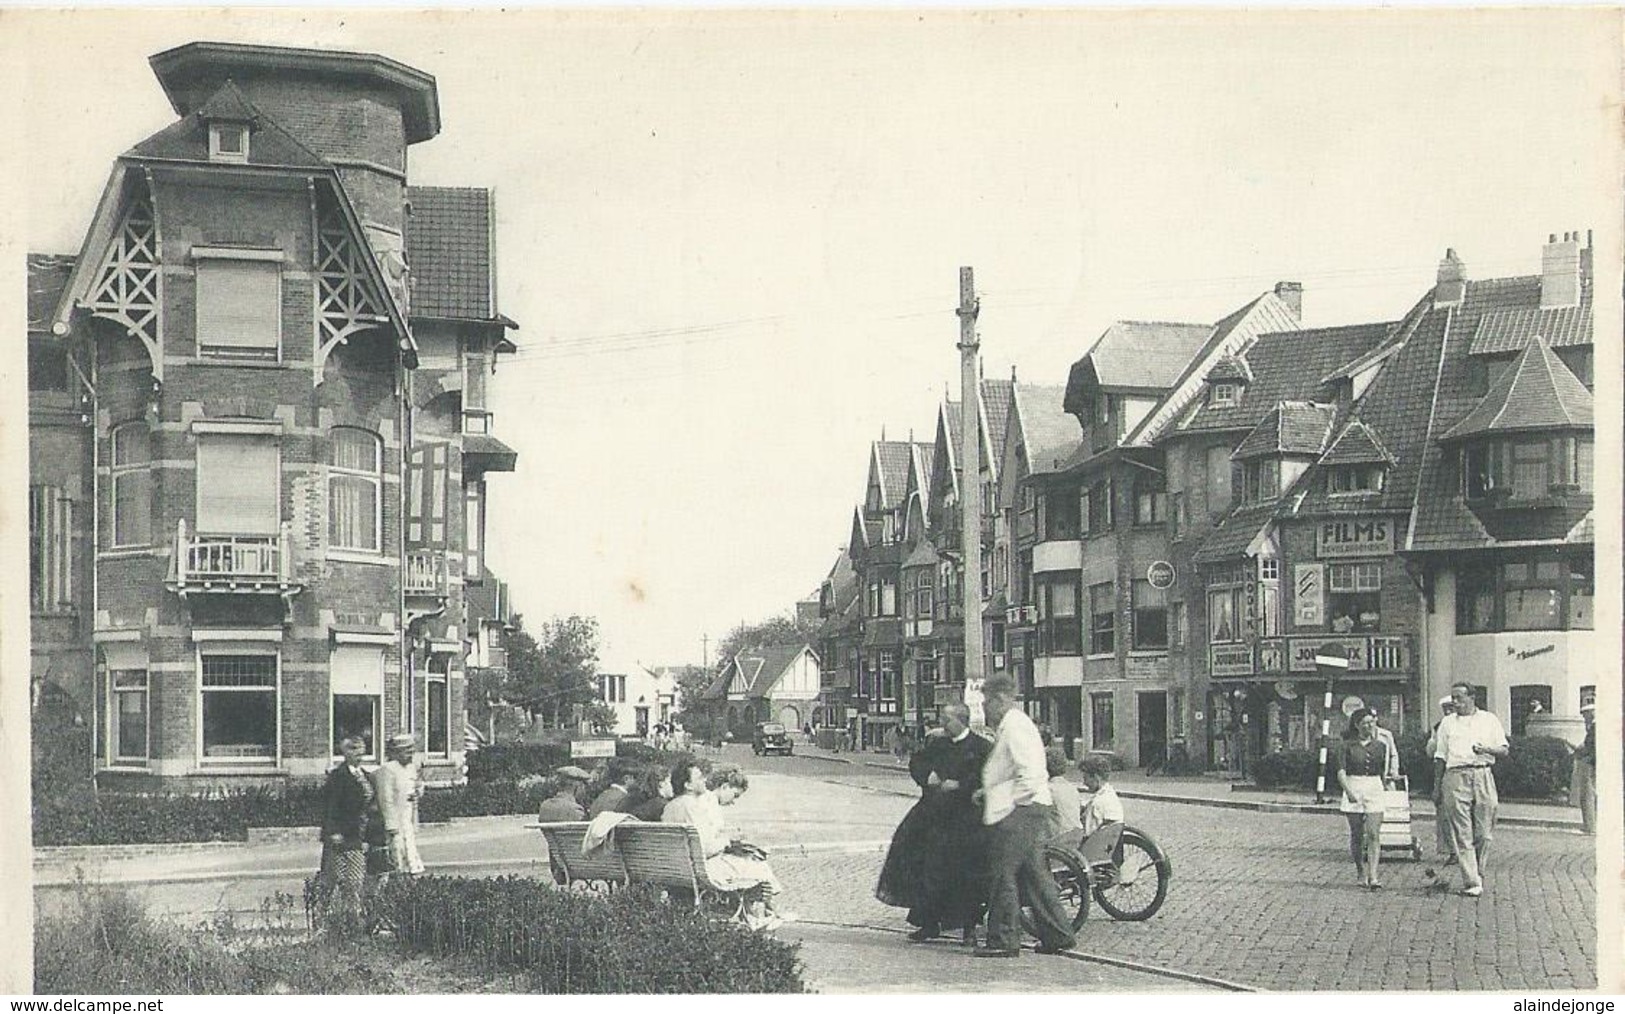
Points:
(1121, 866)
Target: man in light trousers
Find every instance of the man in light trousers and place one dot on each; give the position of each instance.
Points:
(1441, 816)
(1468, 743)
(1018, 810)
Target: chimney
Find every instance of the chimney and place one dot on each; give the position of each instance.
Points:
(1451, 288)
(1291, 293)
(1560, 271)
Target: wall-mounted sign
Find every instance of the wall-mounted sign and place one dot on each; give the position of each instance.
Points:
(1308, 594)
(1145, 667)
(1286, 691)
(1230, 660)
(1161, 575)
(1304, 649)
(1351, 704)
(1354, 537)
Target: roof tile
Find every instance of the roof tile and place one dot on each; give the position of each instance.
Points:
(448, 243)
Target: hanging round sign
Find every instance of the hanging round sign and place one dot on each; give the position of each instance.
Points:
(1286, 691)
(1351, 704)
(1160, 575)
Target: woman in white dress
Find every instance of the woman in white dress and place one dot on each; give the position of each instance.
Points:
(692, 803)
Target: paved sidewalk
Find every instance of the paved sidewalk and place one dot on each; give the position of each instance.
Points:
(1221, 792)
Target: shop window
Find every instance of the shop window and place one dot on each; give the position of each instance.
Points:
(1555, 593)
(128, 711)
(1532, 595)
(354, 484)
(1581, 581)
(1224, 612)
(1102, 618)
(1150, 617)
(131, 473)
(1102, 727)
(239, 707)
(1475, 599)
(1353, 599)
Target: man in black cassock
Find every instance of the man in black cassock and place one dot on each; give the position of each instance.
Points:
(936, 866)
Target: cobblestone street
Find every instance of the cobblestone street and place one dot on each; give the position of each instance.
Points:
(1265, 900)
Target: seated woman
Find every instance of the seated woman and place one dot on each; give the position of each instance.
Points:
(693, 803)
(1068, 804)
(649, 794)
(728, 783)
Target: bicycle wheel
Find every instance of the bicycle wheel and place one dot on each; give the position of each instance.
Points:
(1135, 884)
(1071, 882)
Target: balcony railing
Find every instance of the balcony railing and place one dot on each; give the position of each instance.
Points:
(425, 572)
(232, 563)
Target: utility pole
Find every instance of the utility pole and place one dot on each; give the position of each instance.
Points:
(970, 488)
(705, 651)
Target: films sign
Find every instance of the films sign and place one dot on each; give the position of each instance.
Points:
(1354, 536)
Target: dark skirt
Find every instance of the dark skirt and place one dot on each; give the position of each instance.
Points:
(936, 867)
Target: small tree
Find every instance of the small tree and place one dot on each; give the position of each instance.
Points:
(601, 717)
(553, 671)
(785, 628)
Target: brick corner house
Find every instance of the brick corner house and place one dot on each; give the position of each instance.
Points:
(259, 431)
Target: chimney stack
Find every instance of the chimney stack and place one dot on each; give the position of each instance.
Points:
(1560, 271)
(1451, 288)
(1291, 293)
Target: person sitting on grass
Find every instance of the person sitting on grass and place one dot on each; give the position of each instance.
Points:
(1103, 807)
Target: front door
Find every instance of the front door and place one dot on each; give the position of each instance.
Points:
(1153, 727)
(642, 720)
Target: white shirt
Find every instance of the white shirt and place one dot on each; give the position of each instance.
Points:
(1014, 773)
(1458, 734)
(1103, 808)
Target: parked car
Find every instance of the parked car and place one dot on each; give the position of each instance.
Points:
(770, 737)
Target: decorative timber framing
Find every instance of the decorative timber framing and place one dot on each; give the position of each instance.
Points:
(128, 287)
(345, 298)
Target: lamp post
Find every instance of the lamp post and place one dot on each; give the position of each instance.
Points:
(1330, 660)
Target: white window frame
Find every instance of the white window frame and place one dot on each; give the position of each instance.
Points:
(375, 478)
(1225, 393)
(218, 152)
(118, 470)
(230, 647)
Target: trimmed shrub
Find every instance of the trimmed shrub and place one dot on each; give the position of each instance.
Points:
(1536, 767)
(1289, 769)
(630, 941)
(509, 762)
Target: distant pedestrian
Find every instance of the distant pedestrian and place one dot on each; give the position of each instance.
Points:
(398, 793)
(349, 803)
(1361, 760)
(1016, 806)
(1441, 816)
(1583, 781)
(1467, 745)
(569, 785)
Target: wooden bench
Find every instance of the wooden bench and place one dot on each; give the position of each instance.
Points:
(669, 856)
(602, 868)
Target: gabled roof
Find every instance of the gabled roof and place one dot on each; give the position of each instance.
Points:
(890, 465)
(1364, 362)
(187, 139)
(923, 555)
(1511, 330)
(995, 415)
(1231, 368)
(1537, 392)
(1286, 366)
(1236, 534)
(449, 242)
(1291, 427)
(1048, 432)
(1141, 355)
(47, 277)
(765, 667)
(1357, 445)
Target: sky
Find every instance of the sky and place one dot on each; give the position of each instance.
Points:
(732, 240)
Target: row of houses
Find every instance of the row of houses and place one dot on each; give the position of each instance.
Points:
(260, 431)
(1170, 535)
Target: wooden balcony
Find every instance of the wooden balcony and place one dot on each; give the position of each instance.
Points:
(425, 574)
(233, 564)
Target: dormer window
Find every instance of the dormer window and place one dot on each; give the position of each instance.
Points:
(228, 141)
(1354, 479)
(1260, 480)
(1226, 394)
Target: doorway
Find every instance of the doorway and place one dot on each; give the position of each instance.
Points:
(1153, 727)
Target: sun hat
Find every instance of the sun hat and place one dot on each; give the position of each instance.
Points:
(403, 741)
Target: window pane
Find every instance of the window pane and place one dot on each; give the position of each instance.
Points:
(355, 450)
(1529, 477)
(1580, 594)
(132, 445)
(1533, 609)
(1475, 600)
(437, 716)
(129, 714)
(132, 508)
(355, 715)
(239, 671)
(239, 706)
(1221, 617)
(352, 517)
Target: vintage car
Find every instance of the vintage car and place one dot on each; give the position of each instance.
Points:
(770, 737)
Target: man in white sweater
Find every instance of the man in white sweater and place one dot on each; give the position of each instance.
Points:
(1018, 810)
(1464, 752)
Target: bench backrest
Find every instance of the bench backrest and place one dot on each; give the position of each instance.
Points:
(666, 855)
(564, 852)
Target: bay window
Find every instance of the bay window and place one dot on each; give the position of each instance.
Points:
(1528, 466)
(1549, 593)
(1059, 632)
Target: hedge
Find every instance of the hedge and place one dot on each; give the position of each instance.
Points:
(630, 941)
(1536, 767)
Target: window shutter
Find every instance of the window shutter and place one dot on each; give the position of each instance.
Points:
(238, 485)
(239, 304)
(358, 669)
